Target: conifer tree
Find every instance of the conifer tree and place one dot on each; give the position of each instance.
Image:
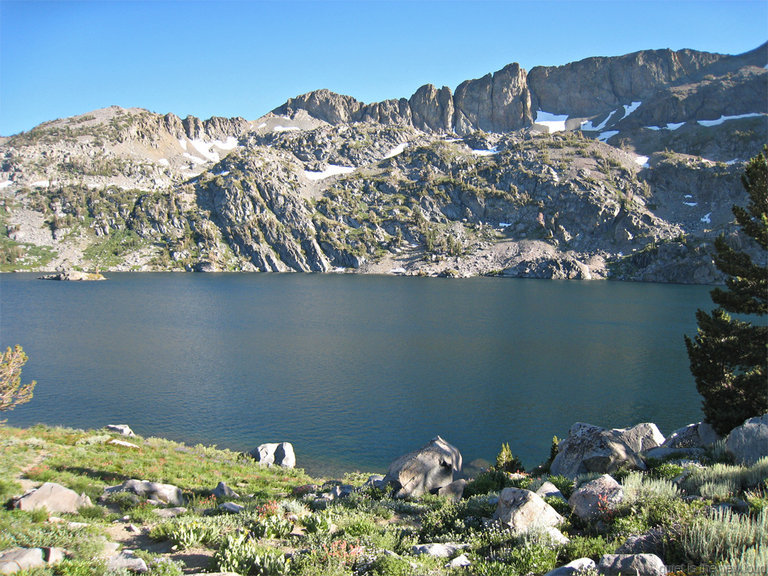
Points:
(729, 356)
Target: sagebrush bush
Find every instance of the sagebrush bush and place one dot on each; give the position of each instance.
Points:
(723, 535)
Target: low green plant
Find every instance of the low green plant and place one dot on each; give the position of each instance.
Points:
(564, 484)
(752, 561)
(271, 527)
(585, 547)
(723, 535)
(193, 531)
(317, 523)
(530, 553)
(560, 505)
(757, 500)
(241, 554)
(390, 565)
(720, 478)
(641, 487)
(665, 470)
(487, 481)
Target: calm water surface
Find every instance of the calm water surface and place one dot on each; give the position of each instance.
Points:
(353, 370)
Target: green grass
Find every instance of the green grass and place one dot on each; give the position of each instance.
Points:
(368, 533)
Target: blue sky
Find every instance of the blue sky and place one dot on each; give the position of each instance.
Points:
(60, 58)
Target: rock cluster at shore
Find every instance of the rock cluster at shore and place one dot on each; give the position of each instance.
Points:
(433, 469)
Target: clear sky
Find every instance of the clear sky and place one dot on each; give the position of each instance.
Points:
(59, 58)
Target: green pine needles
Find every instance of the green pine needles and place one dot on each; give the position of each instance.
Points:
(729, 356)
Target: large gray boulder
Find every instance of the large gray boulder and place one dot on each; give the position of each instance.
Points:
(590, 448)
(54, 497)
(425, 470)
(696, 435)
(275, 453)
(691, 439)
(748, 443)
(167, 493)
(522, 510)
(596, 498)
(16, 559)
(635, 564)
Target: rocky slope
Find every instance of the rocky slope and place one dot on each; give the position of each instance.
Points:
(620, 167)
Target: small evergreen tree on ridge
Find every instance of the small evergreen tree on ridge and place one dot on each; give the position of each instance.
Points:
(729, 356)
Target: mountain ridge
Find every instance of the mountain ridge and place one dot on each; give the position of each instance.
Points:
(622, 167)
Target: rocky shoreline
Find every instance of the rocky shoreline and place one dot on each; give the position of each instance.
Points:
(579, 495)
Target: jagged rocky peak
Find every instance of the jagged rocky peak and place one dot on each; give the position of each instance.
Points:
(497, 102)
(592, 88)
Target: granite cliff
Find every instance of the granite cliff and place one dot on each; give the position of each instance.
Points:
(622, 167)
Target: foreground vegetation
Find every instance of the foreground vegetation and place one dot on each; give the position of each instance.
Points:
(708, 517)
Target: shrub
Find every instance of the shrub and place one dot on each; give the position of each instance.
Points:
(487, 481)
(317, 523)
(723, 535)
(564, 484)
(508, 462)
(585, 547)
(389, 565)
(239, 553)
(719, 478)
(271, 527)
(666, 471)
(532, 554)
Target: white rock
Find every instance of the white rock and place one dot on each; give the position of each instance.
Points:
(637, 564)
(123, 429)
(522, 510)
(54, 497)
(574, 568)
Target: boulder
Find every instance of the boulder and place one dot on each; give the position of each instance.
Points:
(550, 490)
(166, 513)
(651, 542)
(425, 470)
(454, 491)
(54, 497)
(123, 443)
(555, 536)
(635, 564)
(127, 560)
(591, 448)
(749, 442)
(122, 429)
(438, 550)
(596, 498)
(696, 435)
(231, 507)
(521, 510)
(461, 561)
(278, 453)
(165, 493)
(224, 491)
(574, 568)
(16, 559)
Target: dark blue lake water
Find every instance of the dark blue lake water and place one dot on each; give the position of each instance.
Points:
(353, 370)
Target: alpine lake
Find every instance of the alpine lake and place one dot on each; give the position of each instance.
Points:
(353, 370)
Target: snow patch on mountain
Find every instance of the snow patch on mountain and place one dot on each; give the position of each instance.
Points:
(553, 122)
